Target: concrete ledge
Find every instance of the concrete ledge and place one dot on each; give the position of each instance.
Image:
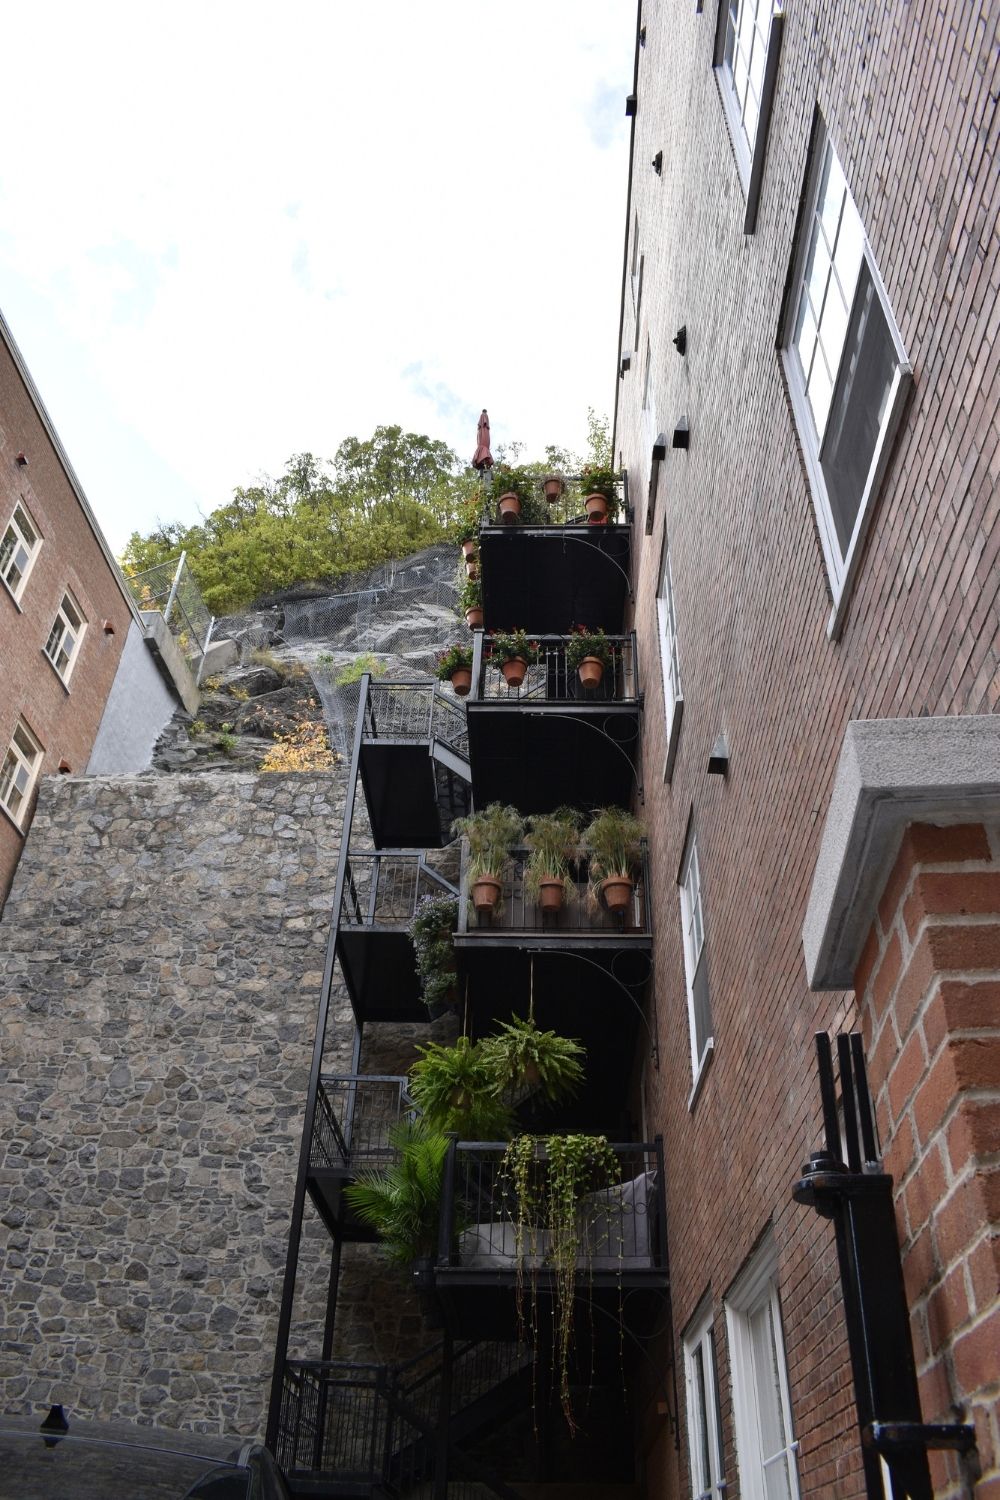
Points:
(219, 656)
(169, 658)
(892, 772)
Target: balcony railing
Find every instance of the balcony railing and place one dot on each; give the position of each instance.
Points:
(551, 679)
(581, 914)
(383, 888)
(567, 509)
(354, 1120)
(416, 711)
(618, 1224)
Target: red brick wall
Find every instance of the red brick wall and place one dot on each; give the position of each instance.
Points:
(908, 92)
(64, 720)
(929, 990)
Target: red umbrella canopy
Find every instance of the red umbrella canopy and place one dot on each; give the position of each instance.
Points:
(483, 458)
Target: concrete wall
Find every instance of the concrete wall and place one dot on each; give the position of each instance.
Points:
(139, 707)
(160, 962)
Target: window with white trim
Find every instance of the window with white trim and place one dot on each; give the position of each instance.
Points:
(63, 644)
(848, 374)
(695, 962)
(748, 46)
(649, 431)
(18, 549)
(703, 1421)
(765, 1448)
(19, 773)
(673, 698)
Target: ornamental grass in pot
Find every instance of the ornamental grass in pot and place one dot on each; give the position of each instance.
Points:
(554, 841)
(455, 666)
(492, 834)
(614, 839)
(513, 653)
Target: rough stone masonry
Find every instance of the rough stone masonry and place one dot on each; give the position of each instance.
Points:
(160, 964)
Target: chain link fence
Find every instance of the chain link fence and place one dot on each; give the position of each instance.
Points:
(170, 589)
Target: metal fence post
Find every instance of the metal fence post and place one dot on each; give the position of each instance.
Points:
(172, 596)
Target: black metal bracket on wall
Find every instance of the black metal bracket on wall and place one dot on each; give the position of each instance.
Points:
(857, 1196)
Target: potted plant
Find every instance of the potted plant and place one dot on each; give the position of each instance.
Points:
(455, 666)
(514, 489)
(588, 652)
(471, 561)
(614, 839)
(470, 602)
(431, 930)
(402, 1201)
(523, 1059)
(492, 834)
(600, 493)
(456, 1089)
(553, 487)
(471, 514)
(554, 839)
(513, 653)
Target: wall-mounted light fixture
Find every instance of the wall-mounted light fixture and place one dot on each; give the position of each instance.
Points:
(22, 459)
(625, 365)
(718, 761)
(108, 627)
(642, 36)
(631, 105)
(64, 768)
(680, 340)
(658, 163)
(682, 435)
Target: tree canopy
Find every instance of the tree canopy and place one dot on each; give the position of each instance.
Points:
(379, 498)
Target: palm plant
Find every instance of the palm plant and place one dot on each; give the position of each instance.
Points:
(402, 1201)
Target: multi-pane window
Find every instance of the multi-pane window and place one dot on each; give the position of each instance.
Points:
(847, 369)
(673, 699)
(765, 1447)
(18, 550)
(64, 638)
(20, 770)
(747, 49)
(695, 964)
(704, 1427)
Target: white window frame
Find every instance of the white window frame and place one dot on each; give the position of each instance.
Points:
(649, 429)
(31, 548)
(749, 29)
(841, 565)
(670, 668)
(19, 771)
(755, 1296)
(693, 935)
(62, 661)
(703, 1424)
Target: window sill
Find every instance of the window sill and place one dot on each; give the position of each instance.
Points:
(12, 596)
(673, 735)
(13, 822)
(699, 1077)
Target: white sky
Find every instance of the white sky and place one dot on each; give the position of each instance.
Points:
(230, 232)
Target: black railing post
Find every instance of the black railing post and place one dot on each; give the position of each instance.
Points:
(443, 1444)
(477, 666)
(325, 998)
(447, 1221)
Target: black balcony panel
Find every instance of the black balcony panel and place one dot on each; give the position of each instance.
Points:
(555, 576)
(381, 892)
(414, 763)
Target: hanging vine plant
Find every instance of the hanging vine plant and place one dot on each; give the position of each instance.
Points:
(542, 1181)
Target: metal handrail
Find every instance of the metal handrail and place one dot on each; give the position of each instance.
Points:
(384, 887)
(550, 678)
(581, 914)
(416, 712)
(568, 509)
(355, 1117)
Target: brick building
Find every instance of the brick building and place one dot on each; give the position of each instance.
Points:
(808, 413)
(68, 627)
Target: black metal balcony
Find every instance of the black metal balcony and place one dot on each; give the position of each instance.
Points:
(414, 763)
(486, 1248)
(557, 574)
(382, 889)
(355, 1117)
(551, 740)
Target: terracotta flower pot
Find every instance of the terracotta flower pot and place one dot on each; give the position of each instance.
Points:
(597, 520)
(468, 549)
(514, 671)
(461, 681)
(471, 569)
(474, 619)
(551, 893)
(509, 507)
(485, 893)
(596, 505)
(617, 892)
(590, 671)
(553, 490)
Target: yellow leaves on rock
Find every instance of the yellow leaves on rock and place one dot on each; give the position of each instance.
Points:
(305, 748)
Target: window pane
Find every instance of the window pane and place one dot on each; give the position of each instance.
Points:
(858, 407)
(24, 526)
(7, 775)
(7, 549)
(25, 745)
(704, 1476)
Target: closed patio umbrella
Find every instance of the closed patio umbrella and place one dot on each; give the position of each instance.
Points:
(483, 458)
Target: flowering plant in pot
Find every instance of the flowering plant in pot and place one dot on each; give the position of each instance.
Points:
(554, 841)
(513, 653)
(492, 834)
(515, 492)
(599, 486)
(614, 839)
(588, 652)
(431, 929)
(470, 602)
(455, 666)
